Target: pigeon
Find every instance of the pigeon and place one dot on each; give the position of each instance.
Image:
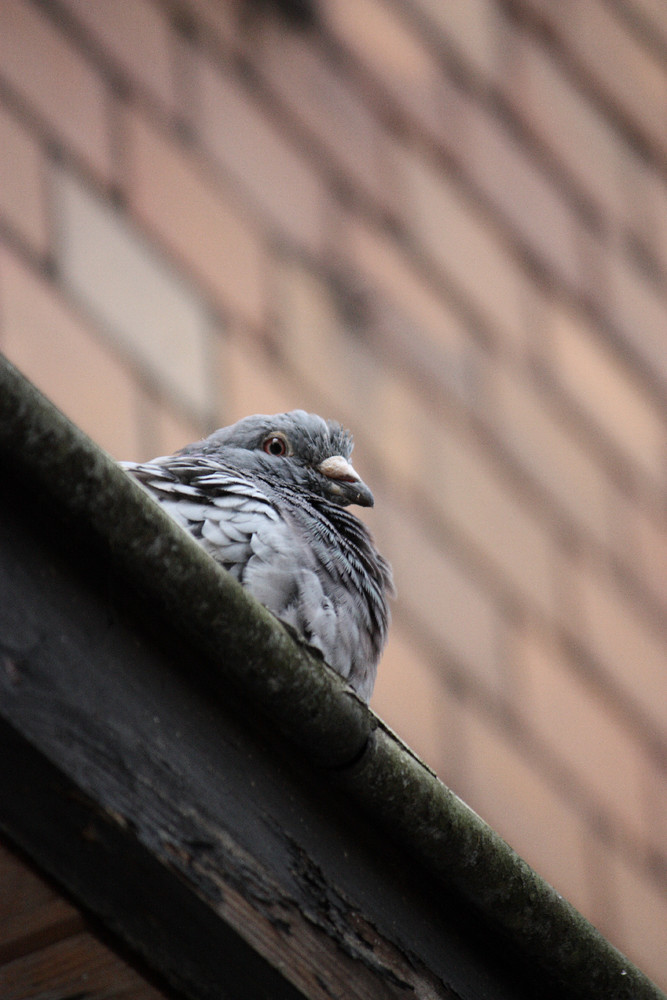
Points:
(267, 497)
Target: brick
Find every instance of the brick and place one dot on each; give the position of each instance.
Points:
(552, 455)
(655, 800)
(438, 597)
(22, 193)
(637, 308)
(317, 343)
(59, 84)
(163, 427)
(646, 200)
(649, 539)
(68, 361)
(564, 118)
(653, 11)
(396, 56)
(475, 496)
(219, 18)
(137, 38)
(473, 26)
(572, 716)
(382, 38)
(382, 260)
(502, 785)
(607, 390)
(399, 414)
(643, 919)
(625, 643)
(418, 312)
(630, 72)
(450, 229)
(411, 698)
(175, 431)
(253, 381)
(283, 188)
(196, 218)
(319, 95)
(522, 194)
(416, 326)
(151, 314)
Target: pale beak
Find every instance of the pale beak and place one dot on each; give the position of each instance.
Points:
(346, 483)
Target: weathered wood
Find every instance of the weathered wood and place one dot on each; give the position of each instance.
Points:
(78, 966)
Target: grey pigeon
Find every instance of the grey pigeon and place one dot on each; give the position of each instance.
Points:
(267, 498)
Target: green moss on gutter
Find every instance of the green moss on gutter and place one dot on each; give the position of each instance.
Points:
(307, 702)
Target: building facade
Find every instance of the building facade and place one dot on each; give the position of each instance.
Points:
(446, 226)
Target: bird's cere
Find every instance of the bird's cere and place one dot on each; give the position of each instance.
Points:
(267, 498)
(337, 467)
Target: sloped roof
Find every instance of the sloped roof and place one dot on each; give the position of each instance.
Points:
(158, 706)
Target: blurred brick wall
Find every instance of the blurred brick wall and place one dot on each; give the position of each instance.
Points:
(444, 223)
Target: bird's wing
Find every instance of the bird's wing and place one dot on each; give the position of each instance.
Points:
(223, 510)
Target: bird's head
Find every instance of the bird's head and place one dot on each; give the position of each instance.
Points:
(298, 448)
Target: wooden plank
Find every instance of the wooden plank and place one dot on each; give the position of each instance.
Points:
(79, 965)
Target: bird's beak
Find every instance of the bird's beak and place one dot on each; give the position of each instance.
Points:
(346, 483)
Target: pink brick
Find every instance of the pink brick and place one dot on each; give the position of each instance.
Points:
(391, 275)
(473, 26)
(529, 427)
(312, 335)
(638, 308)
(522, 194)
(459, 239)
(411, 698)
(655, 807)
(608, 391)
(284, 190)
(649, 538)
(174, 431)
(642, 907)
(59, 84)
(629, 71)
(392, 53)
(320, 96)
(197, 218)
(22, 180)
(474, 494)
(221, 19)
(646, 200)
(653, 13)
(572, 715)
(137, 38)
(154, 316)
(252, 382)
(504, 787)
(444, 604)
(584, 141)
(67, 360)
(629, 646)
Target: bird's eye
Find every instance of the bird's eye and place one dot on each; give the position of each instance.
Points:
(275, 444)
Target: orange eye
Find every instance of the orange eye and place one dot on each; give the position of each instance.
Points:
(275, 444)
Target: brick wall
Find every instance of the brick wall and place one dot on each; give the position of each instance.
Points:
(446, 225)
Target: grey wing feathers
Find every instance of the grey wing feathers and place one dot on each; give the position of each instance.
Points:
(223, 511)
(307, 560)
